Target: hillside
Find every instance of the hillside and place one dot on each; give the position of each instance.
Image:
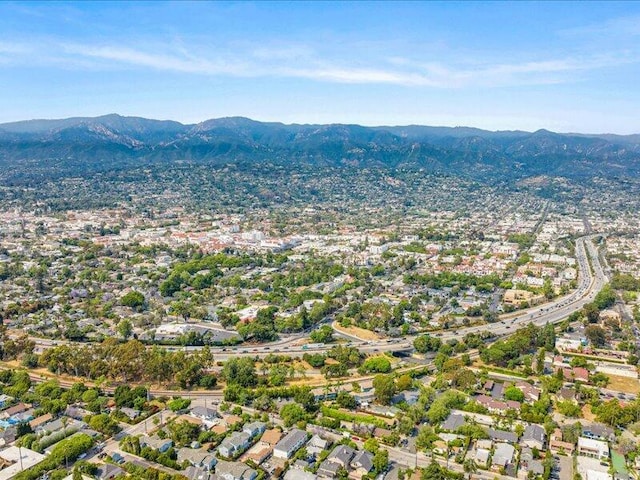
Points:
(77, 146)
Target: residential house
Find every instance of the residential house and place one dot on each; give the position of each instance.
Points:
(5, 400)
(197, 458)
(234, 471)
(598, 431)
(254, 429)
(531, 393)
(502, 456)
(234, 444)
(15, 410)
(131, 413)
(529, 464)
(196, 473)
(497, 406)
(410, 397)
(156, 443)
(362, 464)
(589, 447)
(295, 474)
(271, 437)
(290, 444)
(316, 445)
(340, 457)
(37, 423)
(209, 416)
(483, 450)
(8, 436)
(502, 436)
(534, 436)
(453, 422)
(557, 445)
(108, 471)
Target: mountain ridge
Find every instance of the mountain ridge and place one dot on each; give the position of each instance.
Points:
(115, 141)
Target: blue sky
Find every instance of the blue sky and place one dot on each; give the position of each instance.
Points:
(563, 66)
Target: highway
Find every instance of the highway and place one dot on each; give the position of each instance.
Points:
(589, 284)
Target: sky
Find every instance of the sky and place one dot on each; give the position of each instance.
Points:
(568, 67)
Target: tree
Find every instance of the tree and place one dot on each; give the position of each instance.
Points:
(371, 445)
(378, 364)
(384, 388)
(292, 413)
(324, 334)
(596, 335)
(540, 361)
(435, 472)
(605, 297)
(611, 413)
(183, 433)
(133, 299)
(104, 424)
(125, 328)
(381, 460)
(470, 467)
(345, 400)
(514, 393)
(240, 371)
(425, 438)
(403, 382)
(591, 312)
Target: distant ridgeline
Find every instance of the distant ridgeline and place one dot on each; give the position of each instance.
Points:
(78, 145)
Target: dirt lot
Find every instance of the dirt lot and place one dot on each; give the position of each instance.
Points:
(586, 413)
(356, 332)
(623, 384)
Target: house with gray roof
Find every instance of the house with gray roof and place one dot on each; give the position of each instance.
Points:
(197, 458)
(156, 443)
(534, 436)
(108, 471)
(502, 436)
(453, 422)
(209, 416)
(362, 463)
(197, 473)
(235, 471)
(234, 444)
(503, 455)
(254, 429)
(340, 457)
(294, 474)
(290, 444)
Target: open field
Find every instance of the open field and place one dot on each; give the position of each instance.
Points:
(624, 384)
(356, 332)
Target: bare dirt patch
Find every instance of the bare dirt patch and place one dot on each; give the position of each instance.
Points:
(624, 384)
(358, 332)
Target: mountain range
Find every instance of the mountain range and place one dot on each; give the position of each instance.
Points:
(112, 141)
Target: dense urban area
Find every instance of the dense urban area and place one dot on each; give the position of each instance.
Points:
(199, 322)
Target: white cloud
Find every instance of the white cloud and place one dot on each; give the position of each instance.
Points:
(302, 61)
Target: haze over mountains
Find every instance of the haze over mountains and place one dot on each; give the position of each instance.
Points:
(114, 141)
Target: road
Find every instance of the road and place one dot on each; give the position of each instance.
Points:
(589, 284)
(591, 279)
